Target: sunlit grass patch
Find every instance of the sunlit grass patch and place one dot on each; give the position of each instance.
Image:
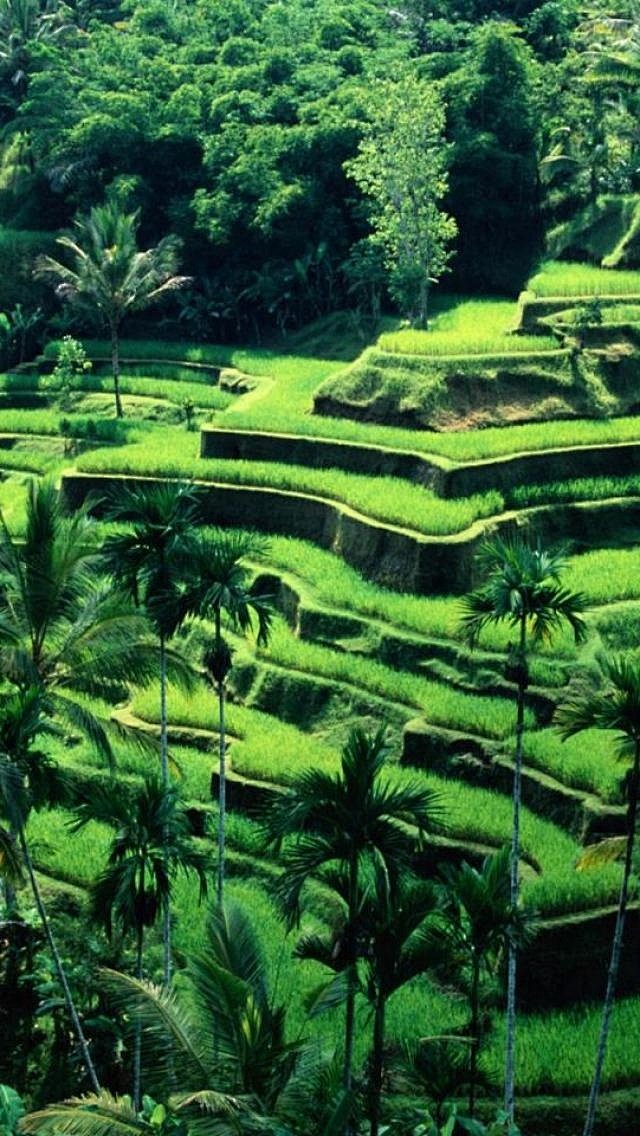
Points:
(391, 500)
(606, 574)
(555, 1050)
(585, 762)
(253, 360)
(457, 446)
(467, 327)
(575, 489)
(567, 278)
(263, 747)
(440, 703)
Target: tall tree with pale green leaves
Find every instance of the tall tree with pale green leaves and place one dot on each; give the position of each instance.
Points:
(109, 276)
(523, 589)
(401, 167)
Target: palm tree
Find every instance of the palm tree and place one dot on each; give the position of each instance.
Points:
(523, 589)
(479, 922)
(26, 779)
(220, 587)
(102, 1114)
(616, 707)
(150, 561)
(220, 1035)
(151, 846)
(220, 1030)
(344, 819)
(63, 628)
(614, 48)
(393, 938)
(111, 276)
(25, 24)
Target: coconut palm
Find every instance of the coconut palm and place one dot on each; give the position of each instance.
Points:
(150, 848)
(221, 589)
(63, 628)
(109, 275)
(24, 25)
(614, 48)
(616, 707)
(26, 779)
(149, 561)
(523, 589)
(479, 923)
(343, 819)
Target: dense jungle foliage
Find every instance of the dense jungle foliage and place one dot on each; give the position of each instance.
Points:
(229, 124)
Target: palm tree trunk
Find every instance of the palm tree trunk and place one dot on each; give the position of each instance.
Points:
(57, 962)
(514, 864)
(616, 949)
(164, 766)
(115, 367)
(377, 1063)
(8, 890)
(350, 1008)
(475, 1033)
(137, 1040)
(222, 793)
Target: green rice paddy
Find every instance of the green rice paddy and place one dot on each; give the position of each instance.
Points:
(564, 278)
(462, 326)
(555, 1048)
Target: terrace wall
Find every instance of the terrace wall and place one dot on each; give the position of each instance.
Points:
(503, 473)
(393, 557)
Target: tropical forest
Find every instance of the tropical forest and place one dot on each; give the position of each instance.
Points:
(319, 568)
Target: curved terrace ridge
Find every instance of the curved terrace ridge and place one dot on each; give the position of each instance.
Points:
(394, 557)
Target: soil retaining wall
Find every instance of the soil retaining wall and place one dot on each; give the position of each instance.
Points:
(503, 473)
(392, 557)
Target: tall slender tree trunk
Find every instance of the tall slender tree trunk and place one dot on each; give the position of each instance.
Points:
(8, 890)
(137, 1037)
(350, 1006)
(475, 1033)
(616, 950)
(222, 760)
(222, 792)
(377, 1063)
(514, 864)
(115, 367)
(164, 767)
(57, 962)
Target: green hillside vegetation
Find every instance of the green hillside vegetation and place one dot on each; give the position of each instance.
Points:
(470, 369)
(327, 676)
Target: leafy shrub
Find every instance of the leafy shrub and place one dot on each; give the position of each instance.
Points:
(71, 365)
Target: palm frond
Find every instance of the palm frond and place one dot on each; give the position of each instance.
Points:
(174, 1046)
(99, 1115)
(11, 866)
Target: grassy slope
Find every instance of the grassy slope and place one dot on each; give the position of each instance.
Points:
(275, 750)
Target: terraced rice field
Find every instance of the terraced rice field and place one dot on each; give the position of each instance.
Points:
(346, 648)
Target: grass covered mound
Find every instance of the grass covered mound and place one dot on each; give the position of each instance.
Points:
(469, 369)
